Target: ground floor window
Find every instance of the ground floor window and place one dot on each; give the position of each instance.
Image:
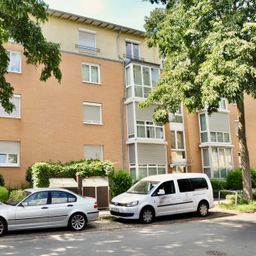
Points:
(9, 154)
(144, 170)
(217, 161)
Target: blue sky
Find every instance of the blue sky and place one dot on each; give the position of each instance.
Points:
(128, 13)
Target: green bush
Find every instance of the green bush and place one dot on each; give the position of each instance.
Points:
(17, 195)
(4, 194)
(234, 179)
(240, 199)
(119, 181)
(41, 172)
(1, 180)
(218, 184)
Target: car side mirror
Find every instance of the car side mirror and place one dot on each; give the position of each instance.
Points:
(24, 204)
(160, 192)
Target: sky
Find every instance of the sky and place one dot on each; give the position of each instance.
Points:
(129, 13)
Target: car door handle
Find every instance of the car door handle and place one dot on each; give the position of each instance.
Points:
(45, 207)
(70, 205)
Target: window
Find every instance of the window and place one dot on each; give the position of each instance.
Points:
(93, 152)
(198, 183)
(203, 128)
(223, 105)
(91, 73)
(16, 111)
(220, 137)
(39, 198)
(178, 146)
(176, 117)
(132, 50)
(140, 80)
(185, 185)
(14, 62)
(149, 169)
(92, 113)
(147, 129)
(167, 187)
(61, 197)
(9, 154)
(87, 41)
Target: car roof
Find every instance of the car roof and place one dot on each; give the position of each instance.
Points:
(32, 190)
(171, 176)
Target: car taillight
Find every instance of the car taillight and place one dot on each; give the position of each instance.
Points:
(95, 206)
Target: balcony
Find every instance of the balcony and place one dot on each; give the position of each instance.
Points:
(140, 80)
(87, 49)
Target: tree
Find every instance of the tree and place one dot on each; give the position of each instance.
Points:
(209, 47)
(20, 20)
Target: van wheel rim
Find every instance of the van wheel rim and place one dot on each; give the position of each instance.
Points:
(147, 216)
(78, 222)
(203, 209)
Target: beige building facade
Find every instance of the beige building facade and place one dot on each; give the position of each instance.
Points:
(107, 70)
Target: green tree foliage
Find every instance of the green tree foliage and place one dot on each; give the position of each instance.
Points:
(20, 20)
(209, 47)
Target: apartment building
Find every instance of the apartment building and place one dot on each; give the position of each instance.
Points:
(107, 70)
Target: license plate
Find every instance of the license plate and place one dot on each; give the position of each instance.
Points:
(114, 209)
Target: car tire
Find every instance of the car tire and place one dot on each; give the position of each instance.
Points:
(3, 227)
(203, 209)
(77, 221)
(147, 215)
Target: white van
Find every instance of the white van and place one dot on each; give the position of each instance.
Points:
(164, 194)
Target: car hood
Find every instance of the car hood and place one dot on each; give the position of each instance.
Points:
(128, 197)
(5, 207)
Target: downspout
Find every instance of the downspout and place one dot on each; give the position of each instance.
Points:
(122, 102)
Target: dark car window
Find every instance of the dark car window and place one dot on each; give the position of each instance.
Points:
(38, 198)
(198, 183)
(61, 197)
(167, 187)
(185, 185)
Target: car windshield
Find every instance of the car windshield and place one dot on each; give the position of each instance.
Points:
(17, 196)
(143, 187)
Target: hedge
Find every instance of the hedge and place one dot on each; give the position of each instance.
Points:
(218, 184)
(4, 194)
(234, 179)
(41, 172)
(119, 181)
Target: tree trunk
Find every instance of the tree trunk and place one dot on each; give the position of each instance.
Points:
(245, 162)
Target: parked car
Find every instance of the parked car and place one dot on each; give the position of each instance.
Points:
(45, 208)
(164, 194)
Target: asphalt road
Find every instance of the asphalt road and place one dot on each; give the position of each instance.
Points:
(218, 235)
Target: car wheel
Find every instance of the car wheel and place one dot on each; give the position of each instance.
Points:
(3, 227)
(203, 209)
(77, 221)
(147, 215)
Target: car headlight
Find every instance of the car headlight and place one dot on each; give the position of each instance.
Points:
(131, 204)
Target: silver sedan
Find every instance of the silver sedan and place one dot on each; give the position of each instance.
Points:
(47, 207)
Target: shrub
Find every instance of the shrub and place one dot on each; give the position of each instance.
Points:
(234, 179)
(1, 180)
(219, 184)
(41, 172)
(29, 176)
(4, 194)
(119, 181)
(240, 199)
(17, 195)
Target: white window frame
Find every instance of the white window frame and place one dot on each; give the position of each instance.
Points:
(145, 126)
(10, 115)
(10, 61)
(90, 75)
(95, 105)
(220, 109)
(176, 149)
(147, 166)
(7, 153)
(132, 42)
